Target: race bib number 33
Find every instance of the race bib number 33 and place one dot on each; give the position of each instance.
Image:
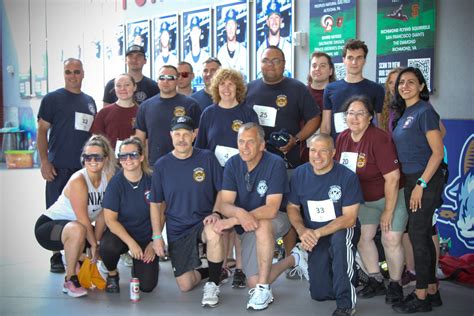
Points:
(321, 211)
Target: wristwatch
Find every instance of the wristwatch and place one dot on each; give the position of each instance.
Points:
(421, 183)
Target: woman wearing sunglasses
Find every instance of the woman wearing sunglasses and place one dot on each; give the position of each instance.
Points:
(67, 224)
(127, 215)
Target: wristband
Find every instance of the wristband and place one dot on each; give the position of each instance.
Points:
(421, 183)
(156, 237)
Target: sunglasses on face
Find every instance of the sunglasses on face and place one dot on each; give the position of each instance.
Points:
(134, 155)
(69, 72)
(95, 157)
(166, 77)
(184, 74)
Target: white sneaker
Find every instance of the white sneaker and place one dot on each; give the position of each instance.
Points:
(301, 258)
(126, 259)
(210, 296)
(260, 298)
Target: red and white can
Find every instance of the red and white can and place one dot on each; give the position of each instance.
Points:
(134, 289)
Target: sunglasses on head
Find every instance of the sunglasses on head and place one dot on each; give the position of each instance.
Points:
(134, 155)
(166, 77)
(184, 74)
(95, 157)
(69, 72)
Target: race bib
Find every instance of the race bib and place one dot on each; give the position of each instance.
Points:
(321, 211)
(117, 147)
(340, 122)
(83, 122)
(266, 115)
(349, 160)
(223, 153)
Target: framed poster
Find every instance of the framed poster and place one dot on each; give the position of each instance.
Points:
(231, 36)
(165, 42)
(196, 41)
(138, 34)
(114, 52)
(274, 26)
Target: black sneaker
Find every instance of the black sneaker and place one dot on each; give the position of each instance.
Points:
(344, 312)
(435, 299)
(394, 293)
(57, 265)
(411, 304)
(113, 284)
(373, 288)
(239, 279)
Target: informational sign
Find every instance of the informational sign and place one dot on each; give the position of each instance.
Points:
(405, 37)
(165, 42)
(332, 23)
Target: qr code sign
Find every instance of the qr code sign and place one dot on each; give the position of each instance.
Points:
(340, 70)
(424, 64)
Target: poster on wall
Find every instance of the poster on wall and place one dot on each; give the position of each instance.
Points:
(231, 36)
(405, 36)
(332, 23)
(274, 26)
(165, 42)
(455, 218)
(138, 33)
(114, 51)
(196, 41)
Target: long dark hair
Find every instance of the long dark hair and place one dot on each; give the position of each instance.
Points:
(398, 103)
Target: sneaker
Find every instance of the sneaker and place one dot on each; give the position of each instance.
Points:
(300, 269)
(394, 293)
(411, 304)
(344, 312)
(260, 298)
(239, 281)
(126, 259)
(210, 296)
(373, 288)
(225, 275)
(408, 278)
(113, 285)
(435, 299)
(73, 287)
(57, 265)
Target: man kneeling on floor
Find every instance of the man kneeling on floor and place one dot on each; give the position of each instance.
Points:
(189, 180)
(253, 187)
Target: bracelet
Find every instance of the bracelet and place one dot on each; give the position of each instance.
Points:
(156, 237)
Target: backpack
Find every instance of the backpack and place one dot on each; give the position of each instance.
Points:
(460, 269)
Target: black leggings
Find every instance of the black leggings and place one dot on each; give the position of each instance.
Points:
(420, 227)
(111, 247)
(48, 232)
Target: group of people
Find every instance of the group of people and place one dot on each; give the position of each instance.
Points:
(240, 165)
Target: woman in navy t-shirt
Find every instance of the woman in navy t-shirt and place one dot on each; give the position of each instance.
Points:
(420, 149)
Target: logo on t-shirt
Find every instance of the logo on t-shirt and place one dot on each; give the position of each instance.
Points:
(147, 196)
(236, 125)
(408, 122)
(262, 188)
(281, 101)
(179, 111)
(140, 96)
(335, 193)
(199, 175)
(361, 160)
(91, 108)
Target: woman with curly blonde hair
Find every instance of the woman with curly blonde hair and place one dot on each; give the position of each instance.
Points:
(386, 123)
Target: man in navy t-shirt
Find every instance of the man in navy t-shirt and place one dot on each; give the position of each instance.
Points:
(330, 195)
(188, 180)
(203, 97)
(253, 189)
(354, 55)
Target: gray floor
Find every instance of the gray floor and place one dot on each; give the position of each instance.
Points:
(28, 288)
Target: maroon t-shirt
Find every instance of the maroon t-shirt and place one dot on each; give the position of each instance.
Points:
(376, 156)
(115, 122)
(317, 96)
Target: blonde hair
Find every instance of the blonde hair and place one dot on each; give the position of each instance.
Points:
(385, 115)
(223, 74)
(102, 142)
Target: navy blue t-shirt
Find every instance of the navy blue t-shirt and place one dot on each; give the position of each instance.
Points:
(132, 205)
(336, 93)
(146, 88)
(202, 98)
(340, 186)
(219, 126)
(154, 118)
(410, 139)
(294, 105)
(189, 188)
(267, 178)
(69, 115)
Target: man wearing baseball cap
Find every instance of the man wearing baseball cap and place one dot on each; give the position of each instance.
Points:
(232, 54)
(196, 55)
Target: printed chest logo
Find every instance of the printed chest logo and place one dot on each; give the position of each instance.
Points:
(262, 188)
(236, 125)
(361, 160)
(408, 122)
(199, 175)
(140, 96)
(147, 195)
(281, 101)
(179, 111)
(91, 108)
(335, 193)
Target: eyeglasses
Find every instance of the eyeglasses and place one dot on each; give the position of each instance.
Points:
(167, 77)
(183, 74)
(274, 61)
(356, 114)
(248, 185)
(134, 155)
(69, 72)
(95, 157)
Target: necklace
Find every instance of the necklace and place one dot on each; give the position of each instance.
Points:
(136, 185)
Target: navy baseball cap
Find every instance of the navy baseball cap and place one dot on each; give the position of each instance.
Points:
(273, 7)
(195, 22)
(182, 122)
(231, 15)
(165, 27)
(135, 49)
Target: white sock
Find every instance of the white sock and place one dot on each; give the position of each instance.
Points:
(297, 258)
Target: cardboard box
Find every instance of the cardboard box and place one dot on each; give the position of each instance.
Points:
(17, 159)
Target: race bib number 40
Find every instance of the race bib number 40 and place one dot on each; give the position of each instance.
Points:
(321, 211)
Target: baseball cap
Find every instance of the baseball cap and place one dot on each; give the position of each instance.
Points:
(135, 49)
(230, 15)
(182, 122)
(195, 21)
(165, 26)
(273, 7)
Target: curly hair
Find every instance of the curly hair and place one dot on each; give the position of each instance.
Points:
(385, 115)
(228, 74)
